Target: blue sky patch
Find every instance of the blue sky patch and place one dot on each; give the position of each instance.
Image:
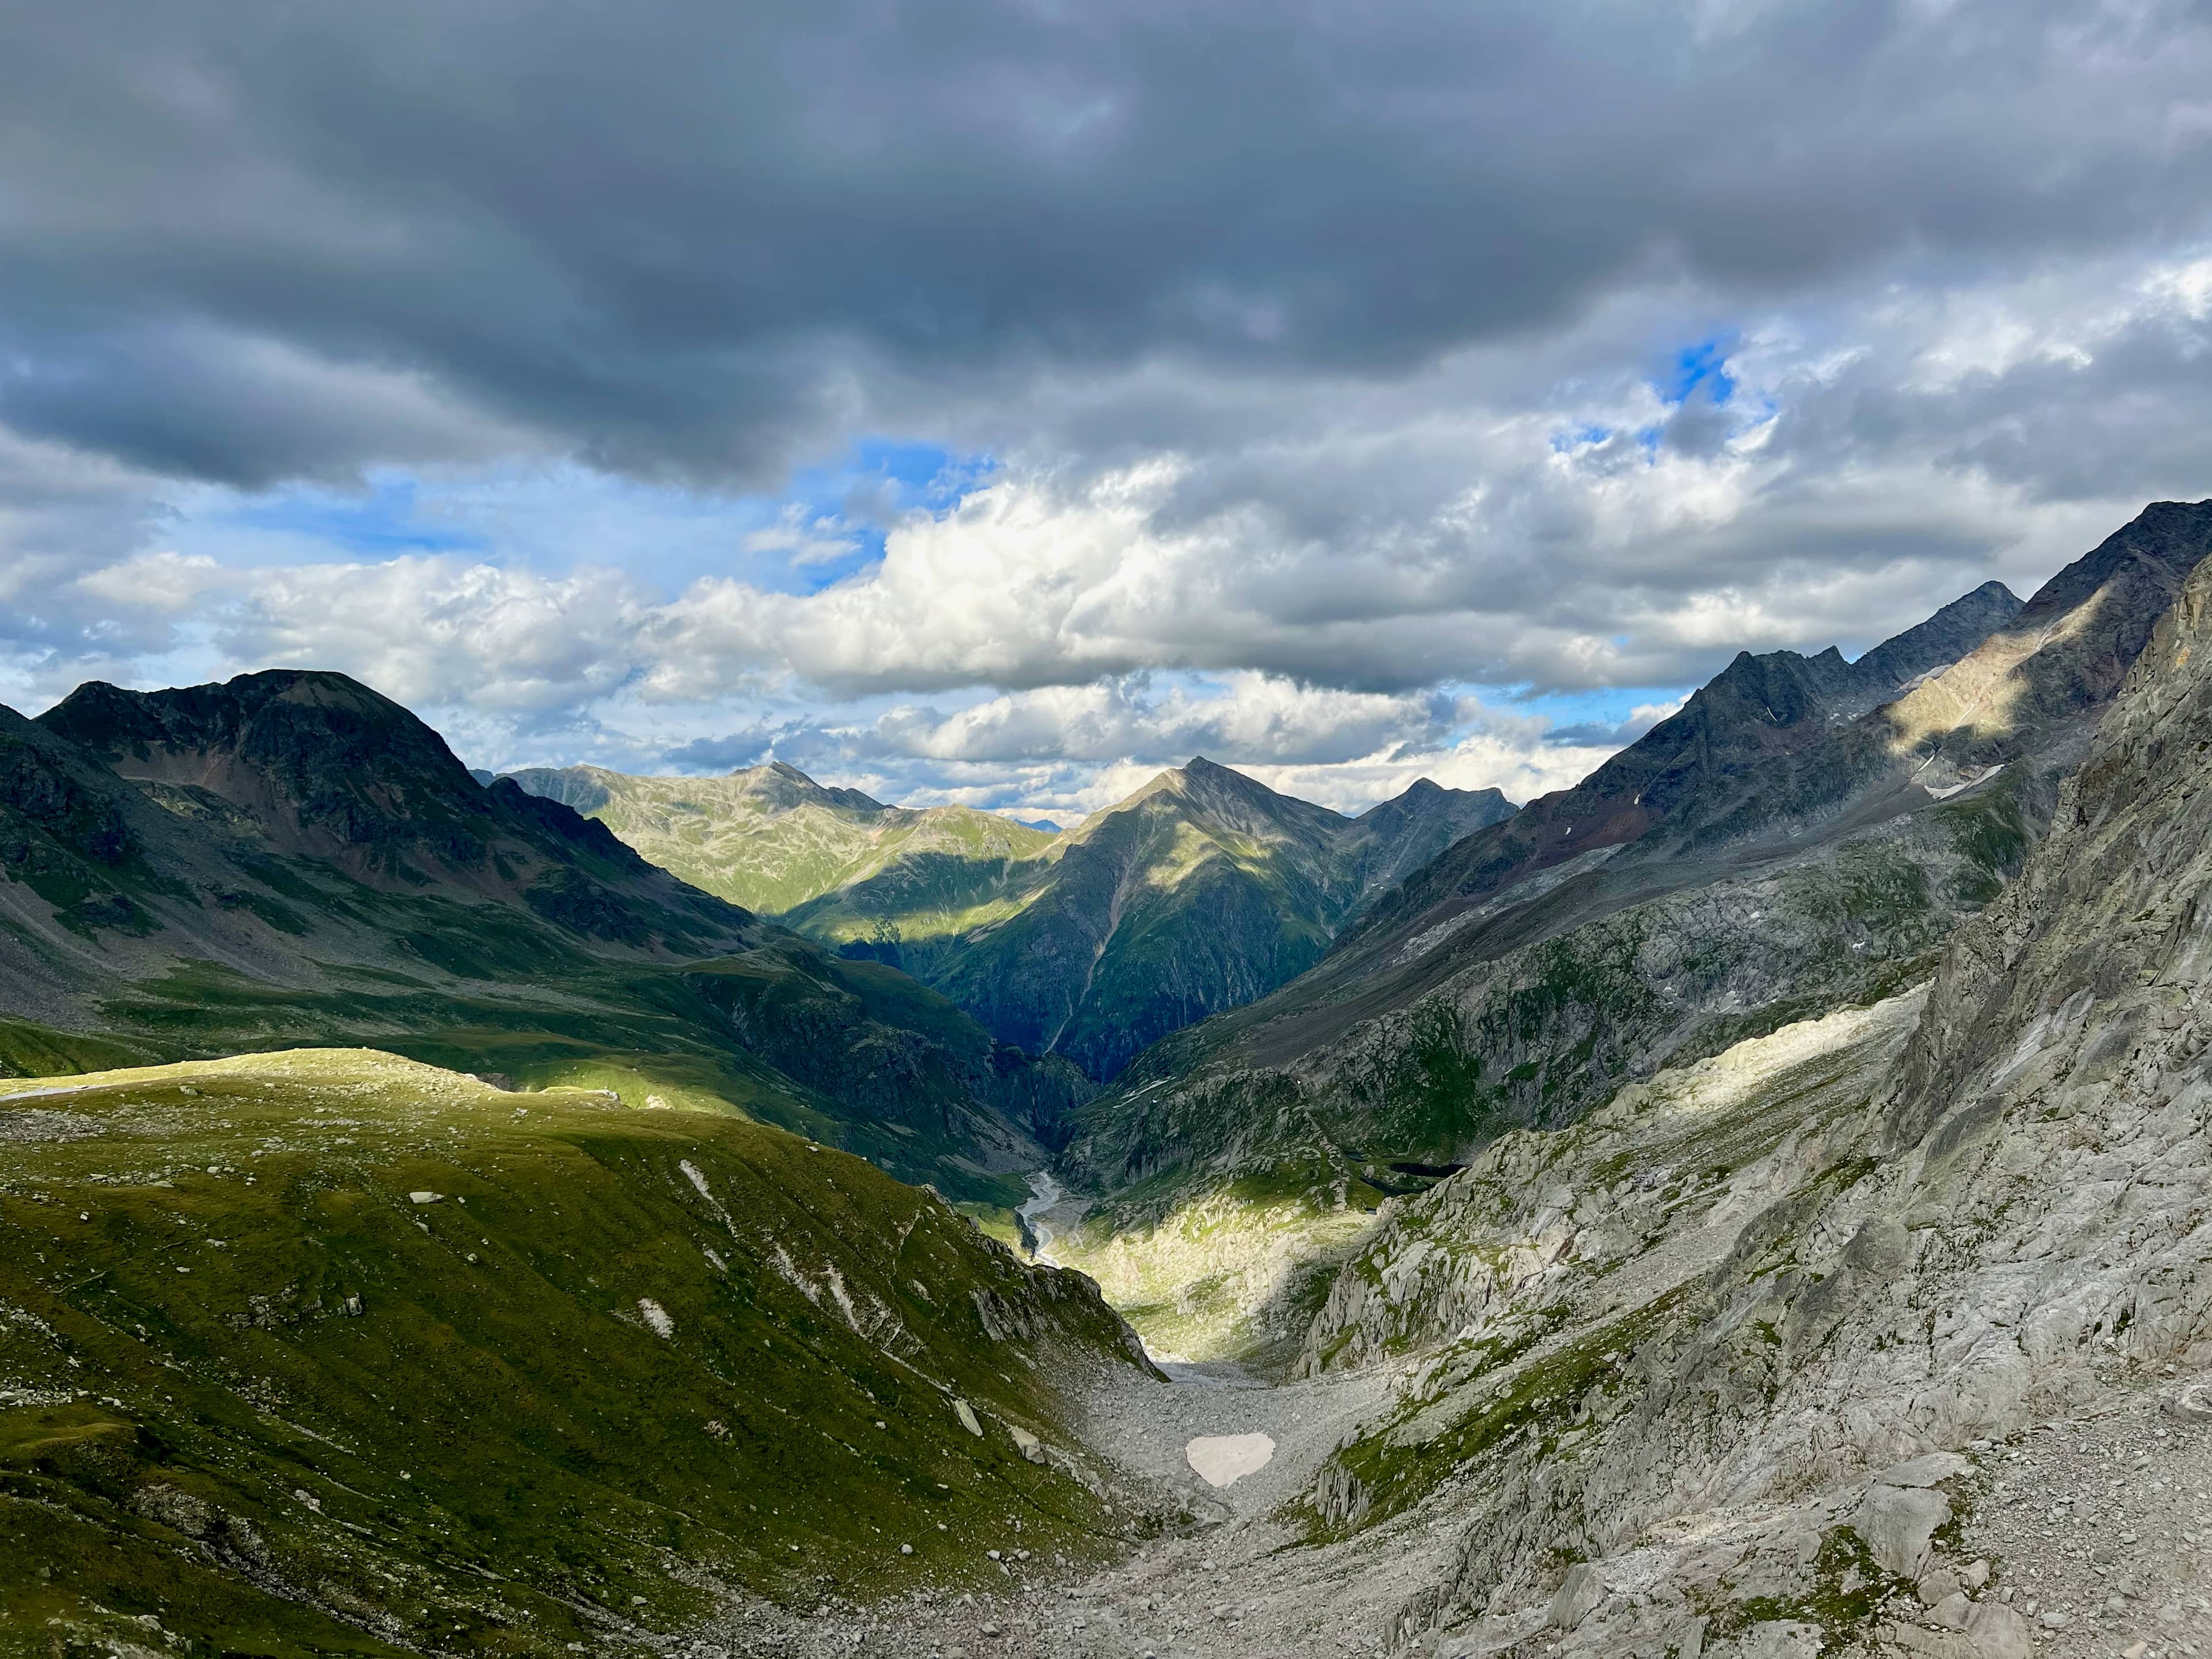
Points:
(1702, 367)
(384, 522)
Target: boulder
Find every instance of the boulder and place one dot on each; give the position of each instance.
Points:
(1774, 1638)
(1579, 1595)
(1897, 1523)
(1930, 1469)
(1998, 1632)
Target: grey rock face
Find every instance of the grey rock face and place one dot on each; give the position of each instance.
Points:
(1776, 850)
(1999, 1631)
(1772, 1384)
(1898, 1524)
(1579, 1595)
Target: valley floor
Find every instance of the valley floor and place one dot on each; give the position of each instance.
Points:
(2098, 1528)
(2085, 1534)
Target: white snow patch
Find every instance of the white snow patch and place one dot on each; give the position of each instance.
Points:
(1222, 1460)
(656, 1316)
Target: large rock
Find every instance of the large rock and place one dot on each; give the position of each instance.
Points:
(1775, 1639)
(1998, 1632)
(1578, 1597)
(1897, 1523)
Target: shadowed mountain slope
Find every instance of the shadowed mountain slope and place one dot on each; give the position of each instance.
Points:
(290, 857)
(1202, 892)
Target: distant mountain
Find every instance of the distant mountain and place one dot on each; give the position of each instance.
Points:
(1201, 892)
(771, 839)
(289, 858)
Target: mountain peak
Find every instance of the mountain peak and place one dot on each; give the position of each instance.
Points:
(1949, 634)
(784, 787)
(302, 724)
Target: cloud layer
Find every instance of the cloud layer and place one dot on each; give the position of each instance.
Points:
(1338, 392)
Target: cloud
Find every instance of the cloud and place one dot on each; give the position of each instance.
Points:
(805, 537)
(700, 242)
(997, 397)
(430, 631)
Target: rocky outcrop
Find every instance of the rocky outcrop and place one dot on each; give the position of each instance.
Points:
(1776, 850)
(1769, 1341)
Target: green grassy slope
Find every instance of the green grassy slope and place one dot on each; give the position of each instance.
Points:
(254, 1399)
(772, 839)
(289, 860)
(1201, 892)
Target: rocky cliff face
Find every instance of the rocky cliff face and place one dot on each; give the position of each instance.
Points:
(1725, 766)
(1776, 850)
(1757, 1341)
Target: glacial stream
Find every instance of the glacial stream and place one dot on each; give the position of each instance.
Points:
(1048, 1192)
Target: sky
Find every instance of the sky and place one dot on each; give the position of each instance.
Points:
(997, 400)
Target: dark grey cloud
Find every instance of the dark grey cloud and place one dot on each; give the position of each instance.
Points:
(701, 237)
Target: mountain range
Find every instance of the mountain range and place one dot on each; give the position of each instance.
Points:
(1199, 893)
(1748, 1205)
(1803, 835)
(289, 858)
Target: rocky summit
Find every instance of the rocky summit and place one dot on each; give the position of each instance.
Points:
(1752, 1204)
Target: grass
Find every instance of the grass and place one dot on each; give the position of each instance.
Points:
(848, 1053)
(1845, 1598)
(250, 1391)
(1535, 1400)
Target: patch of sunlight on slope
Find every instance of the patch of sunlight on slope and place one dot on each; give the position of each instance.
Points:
(500, 1371)
(1981, 695)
